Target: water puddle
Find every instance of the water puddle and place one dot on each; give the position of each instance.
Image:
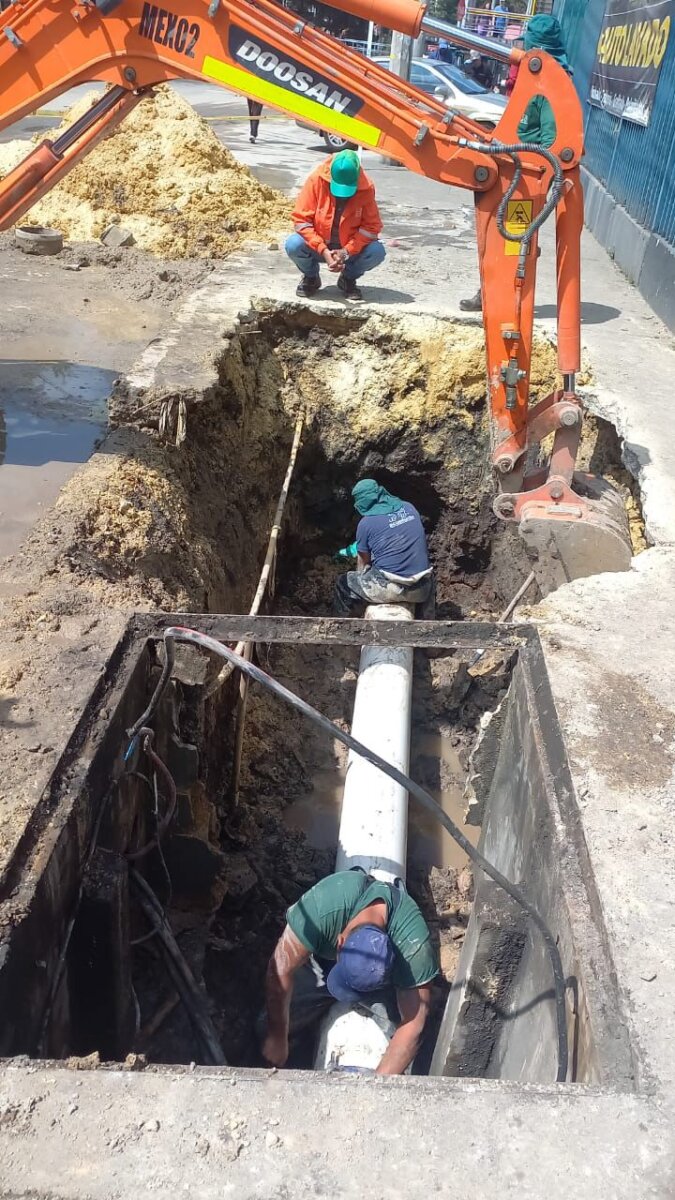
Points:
(435, 764)
(317, 814)
(51, 415)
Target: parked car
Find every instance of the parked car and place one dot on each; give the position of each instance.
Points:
(456, 88)
(440, 80)
(334, 141)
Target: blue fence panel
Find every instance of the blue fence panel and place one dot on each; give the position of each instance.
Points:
(581, 21)
(603, 138)
(636, 164)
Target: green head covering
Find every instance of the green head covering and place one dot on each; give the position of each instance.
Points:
(345, 168)
(544, 33)
(372, 499)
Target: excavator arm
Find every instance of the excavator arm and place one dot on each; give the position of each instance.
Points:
(269, 54)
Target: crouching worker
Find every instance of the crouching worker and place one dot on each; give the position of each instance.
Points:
(354, 939)
(336, 221)
(391, 553)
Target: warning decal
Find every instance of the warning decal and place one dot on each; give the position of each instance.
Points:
(518, 217)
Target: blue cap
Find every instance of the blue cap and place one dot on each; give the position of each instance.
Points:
(364, 965)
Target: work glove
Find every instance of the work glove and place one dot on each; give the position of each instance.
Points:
(347, 554)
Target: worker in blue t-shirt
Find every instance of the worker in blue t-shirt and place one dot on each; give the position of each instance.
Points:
(391, 553)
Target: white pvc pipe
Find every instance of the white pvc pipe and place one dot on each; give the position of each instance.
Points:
(374, 820)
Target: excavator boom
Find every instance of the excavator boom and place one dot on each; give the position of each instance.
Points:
(271, 55)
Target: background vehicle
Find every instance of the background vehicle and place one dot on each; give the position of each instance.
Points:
(458, 90)
(334, 141)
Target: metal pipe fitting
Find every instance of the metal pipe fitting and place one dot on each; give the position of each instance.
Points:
(569, 417)
(469, 41)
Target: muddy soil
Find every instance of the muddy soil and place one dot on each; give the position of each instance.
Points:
(134, 273)
(147, 525)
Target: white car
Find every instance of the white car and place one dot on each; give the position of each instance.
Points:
(458, 90)
(447, 83)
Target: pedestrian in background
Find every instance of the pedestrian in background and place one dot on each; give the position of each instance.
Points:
(499, 24)
(482, 23)
(254, 111)
(476, 67)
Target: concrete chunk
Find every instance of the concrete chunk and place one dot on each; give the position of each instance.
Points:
(115, 236)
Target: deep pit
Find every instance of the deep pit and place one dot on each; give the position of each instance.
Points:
(148, 525)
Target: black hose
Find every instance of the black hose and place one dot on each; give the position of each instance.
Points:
(145, 717)
(178, 633)
(513, 150)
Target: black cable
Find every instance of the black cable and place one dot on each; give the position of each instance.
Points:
(178, 633)
(144, 719)
(163, 825)
(193, 998)
(169, 886)
(513, 150)
(145, 937)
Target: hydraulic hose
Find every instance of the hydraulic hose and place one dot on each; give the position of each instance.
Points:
(181, 634)
(513, 150)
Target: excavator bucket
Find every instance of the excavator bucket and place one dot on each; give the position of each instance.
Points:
(567, 541)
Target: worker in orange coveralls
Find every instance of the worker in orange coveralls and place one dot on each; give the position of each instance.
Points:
(337, 222)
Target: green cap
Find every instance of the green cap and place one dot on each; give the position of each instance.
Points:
(344, 173)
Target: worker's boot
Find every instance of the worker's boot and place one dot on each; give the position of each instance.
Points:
(308, 286)
(351, 291)
(472, 303)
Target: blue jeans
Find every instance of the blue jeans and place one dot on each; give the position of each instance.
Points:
(308, 260)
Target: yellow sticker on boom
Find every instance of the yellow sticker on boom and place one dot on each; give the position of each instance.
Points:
(518, 218)
(270, 93)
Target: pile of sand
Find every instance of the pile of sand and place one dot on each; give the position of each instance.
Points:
(163, 175)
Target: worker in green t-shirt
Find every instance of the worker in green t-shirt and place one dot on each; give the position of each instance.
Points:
(355, 939)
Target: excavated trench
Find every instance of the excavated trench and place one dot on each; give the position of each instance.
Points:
(186, 530)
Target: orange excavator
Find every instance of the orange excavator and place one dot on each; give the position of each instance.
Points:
(574, 525)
